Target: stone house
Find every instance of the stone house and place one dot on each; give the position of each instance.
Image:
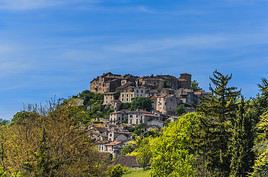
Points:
(128, 161)
(167, 104)
(141, 117)
(118, 117)
(127, 94)
(113, 147)
(110, 98)
(119, 136)
(109, 82)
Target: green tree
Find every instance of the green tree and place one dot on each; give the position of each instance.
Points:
(51, 145)
(180, 109)
(220, 109)
(141, 103)
(261, 148)
(195, 85)
(143, 153)
(174, 152)
(4, 122)
(242, 142)
(117, 171)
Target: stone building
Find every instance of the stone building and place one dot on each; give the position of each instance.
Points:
(127, 94)
(159, 81)
(110, 98)
(118, 117)
(167, 104)
(141, 117)
(185, 81)
(109, 82)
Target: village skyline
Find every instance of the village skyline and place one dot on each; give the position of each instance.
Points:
(52, 47)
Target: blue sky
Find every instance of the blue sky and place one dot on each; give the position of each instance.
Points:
(55, 47)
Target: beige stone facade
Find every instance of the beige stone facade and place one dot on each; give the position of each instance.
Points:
(131, 92)
(167, 104)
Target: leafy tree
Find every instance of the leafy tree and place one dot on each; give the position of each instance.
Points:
(173, 153)
(143, 153)
(64, 150)
(93, 103)
(117, 171)
(141, 103)
(220, 109)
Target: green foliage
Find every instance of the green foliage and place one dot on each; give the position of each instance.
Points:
(93, 104)
(24, 116)
(125, 106)
(141, 103)
(261, 148)
(138, 130)
(180, 110)
(220, 108)
(4, 173)
(173, 152)
(143, 153)
(117, 171)
(137, 173)
(195, 85)
(127, 149)
(242, 142)
(50, 145)
(4, 122)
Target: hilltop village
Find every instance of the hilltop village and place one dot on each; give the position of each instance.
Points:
(168, 97)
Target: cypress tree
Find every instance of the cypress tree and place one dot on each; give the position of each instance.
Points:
(242, 142)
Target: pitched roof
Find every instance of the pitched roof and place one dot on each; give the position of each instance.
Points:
(128, 161)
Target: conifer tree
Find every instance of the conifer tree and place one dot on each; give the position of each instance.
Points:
(261, 148)
(220, 109)
(242, 141)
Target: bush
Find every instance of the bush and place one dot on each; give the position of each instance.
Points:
(117, 171)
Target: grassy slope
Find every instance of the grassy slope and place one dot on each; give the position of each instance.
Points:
(138, 173)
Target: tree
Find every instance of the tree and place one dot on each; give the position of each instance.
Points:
(195, 85)
(261, 148)
(51, 145)
(117, 171)
(93, 105)
(143, 153)
(242, 142)
(4, 122)
(174, 152)
(180, 109)
(141, 103)
(220, 109)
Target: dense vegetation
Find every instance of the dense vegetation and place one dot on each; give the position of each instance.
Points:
(226, 136)
(48, 144)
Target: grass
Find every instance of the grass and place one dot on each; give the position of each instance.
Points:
(138, 173)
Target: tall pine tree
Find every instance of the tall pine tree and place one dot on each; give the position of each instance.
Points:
(220, 109)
